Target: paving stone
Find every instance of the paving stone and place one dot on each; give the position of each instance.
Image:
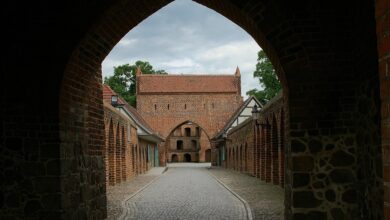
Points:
(187, 192)
(265, 200)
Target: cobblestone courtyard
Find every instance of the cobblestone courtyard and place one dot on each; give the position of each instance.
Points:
(190, 191)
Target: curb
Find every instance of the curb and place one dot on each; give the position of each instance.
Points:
(123, 204)
(246, 205)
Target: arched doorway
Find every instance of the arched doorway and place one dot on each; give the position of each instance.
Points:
(316, 103)
(208, 155)
(187, 157)
(180, 141)
(174, 158)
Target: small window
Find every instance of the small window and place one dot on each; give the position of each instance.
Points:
(188, 132)
(168, 106)
(212, 105)
(179, 145)
(185, 106)
(155, 107)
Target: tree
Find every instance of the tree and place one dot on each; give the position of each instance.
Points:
(123, 81)
(268, 79)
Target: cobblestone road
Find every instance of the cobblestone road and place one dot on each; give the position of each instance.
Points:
(185, 192)
(265, 200)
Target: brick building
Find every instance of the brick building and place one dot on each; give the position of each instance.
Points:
(254, 146)
(131, 145)
(168, 101)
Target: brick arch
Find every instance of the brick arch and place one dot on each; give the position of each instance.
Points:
(172, 129)
(308, 51)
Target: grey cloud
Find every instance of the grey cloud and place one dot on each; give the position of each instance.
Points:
(176, 38)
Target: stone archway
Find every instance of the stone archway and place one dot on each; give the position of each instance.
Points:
(330, 80)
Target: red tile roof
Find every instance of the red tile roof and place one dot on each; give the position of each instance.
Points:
(154, 83)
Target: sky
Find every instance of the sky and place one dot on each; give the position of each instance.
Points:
(185, 37)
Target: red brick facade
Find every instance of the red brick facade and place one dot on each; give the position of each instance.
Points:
(120, 148)
(126, 154)
(207, 100)
(257, 148)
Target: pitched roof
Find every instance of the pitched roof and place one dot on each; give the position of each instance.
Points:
(157, 83)
(235, 115)
(108, 92)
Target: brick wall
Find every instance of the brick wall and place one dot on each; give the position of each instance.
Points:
(259, 149)
(209, 111)
(118, 151)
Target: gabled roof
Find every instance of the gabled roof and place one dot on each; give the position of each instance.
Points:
(133, 113)
(238, 113)
(157, 83)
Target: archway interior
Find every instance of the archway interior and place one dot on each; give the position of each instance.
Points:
(187, 142)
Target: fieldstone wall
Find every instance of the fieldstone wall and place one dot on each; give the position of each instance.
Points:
(382, 14)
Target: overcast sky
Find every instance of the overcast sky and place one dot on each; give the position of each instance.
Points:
(185, 37)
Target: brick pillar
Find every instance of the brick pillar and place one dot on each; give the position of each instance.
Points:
(383, 41)
(241, 159)
(267, 154)
(118, 156)
(257, 155)
(281, 141)
(124, 153)
(254, 151)
(262, 154)
(274, 153)
(111, 155)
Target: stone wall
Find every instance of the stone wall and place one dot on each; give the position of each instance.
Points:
(383, 36)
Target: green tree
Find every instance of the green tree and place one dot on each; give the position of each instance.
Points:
(123, 81)
(268, 79)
